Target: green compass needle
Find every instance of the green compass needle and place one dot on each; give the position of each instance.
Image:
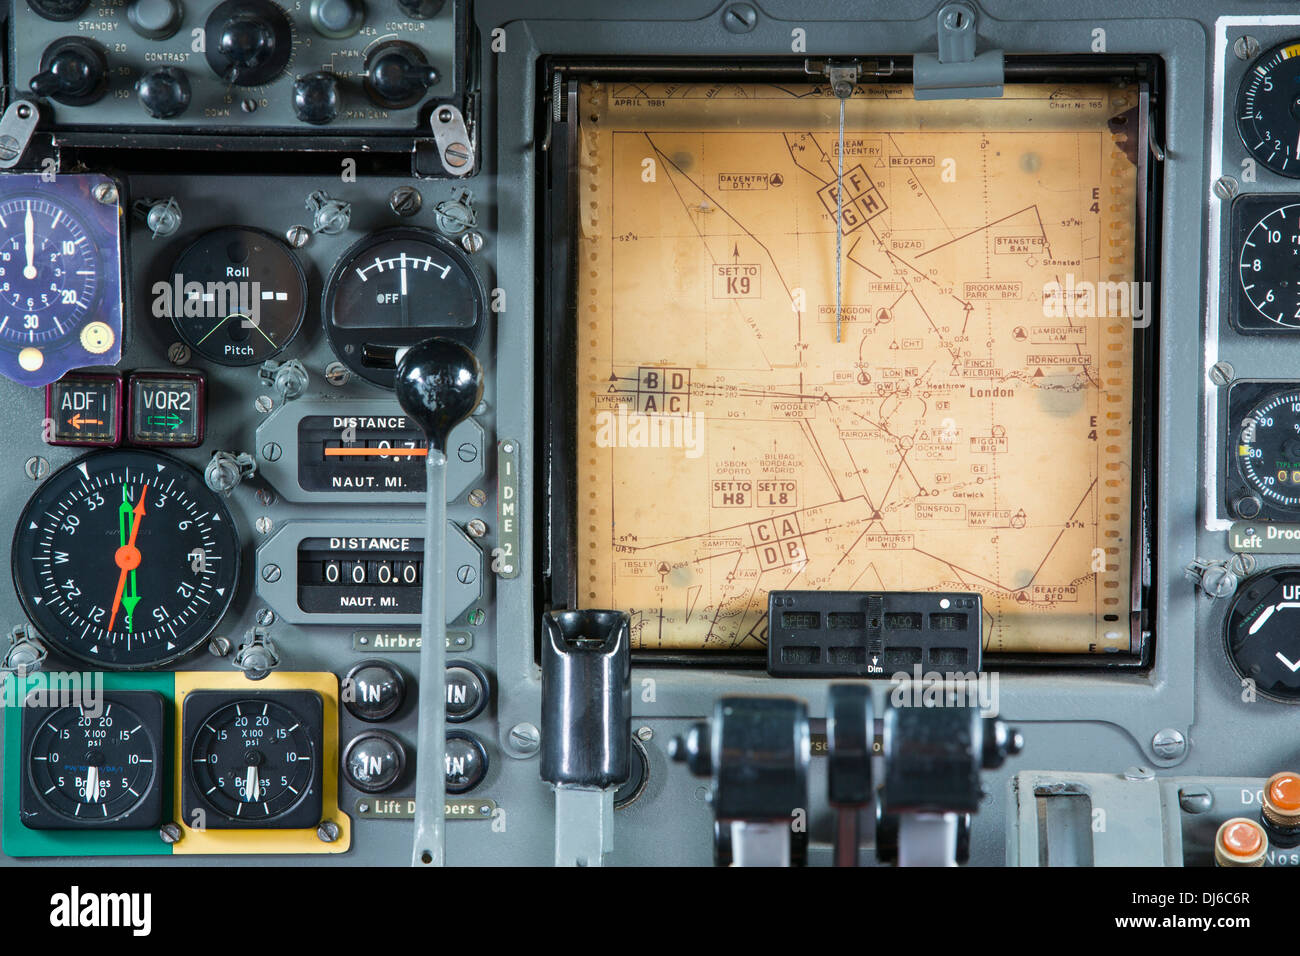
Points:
(125, 518)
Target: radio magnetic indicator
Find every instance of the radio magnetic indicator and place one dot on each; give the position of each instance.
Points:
(125, 560)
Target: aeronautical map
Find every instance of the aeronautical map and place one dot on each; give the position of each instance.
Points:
(963, 423)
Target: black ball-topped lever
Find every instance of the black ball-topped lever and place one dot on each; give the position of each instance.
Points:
(439, 383)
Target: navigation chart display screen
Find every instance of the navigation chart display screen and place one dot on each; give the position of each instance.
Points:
(951, 409)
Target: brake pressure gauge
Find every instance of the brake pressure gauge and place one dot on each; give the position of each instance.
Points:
(398, 287)
(94, 767)
(253, 760)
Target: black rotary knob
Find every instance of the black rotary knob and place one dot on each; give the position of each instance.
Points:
(59, 10)
(316, 98)
(164, 93)
(421, 9)
(73, 71)
(398, 75)
(248, 42)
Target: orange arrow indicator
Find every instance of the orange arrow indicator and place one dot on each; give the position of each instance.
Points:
(76, 421)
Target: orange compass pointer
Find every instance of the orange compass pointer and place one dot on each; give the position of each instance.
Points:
(127, 558)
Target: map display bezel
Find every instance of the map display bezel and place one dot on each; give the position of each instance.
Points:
(558, 418)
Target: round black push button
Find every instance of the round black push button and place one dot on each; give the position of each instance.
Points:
(374, 761)
(467, 691)
(467, 761)
(373, 690)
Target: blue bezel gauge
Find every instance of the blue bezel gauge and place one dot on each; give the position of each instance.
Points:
(60, 275)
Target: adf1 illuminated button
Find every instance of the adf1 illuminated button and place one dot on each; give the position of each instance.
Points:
(166, 409)
(1280, 812)
(467, 761)
(1240, 842)
(84, 408)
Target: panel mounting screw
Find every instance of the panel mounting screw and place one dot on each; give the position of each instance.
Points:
(219, 646)
(1169, 744)
(327, 832)
(297, 236)
(456, 155)
(272, 451)
(476, 527)
(178, 353)
(1225, 187)
(265, 617)
(271, 573)
(1245, 47)
(739, 18)
(472, 241)
(36, 467)
(169, 833)
(1196, 799)
(644, 733)
(264, 403)
(405, 201)
(477, 498)
(337, 374)
(263, 525)
(106, 193)
(1221, 374)
(467, 451)
(465, 574)
(524, 740)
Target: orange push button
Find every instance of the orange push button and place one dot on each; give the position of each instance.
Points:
(1240, 842)
(1280, 812)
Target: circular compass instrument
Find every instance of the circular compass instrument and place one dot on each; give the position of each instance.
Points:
(396, 288)
(1263, 633)
(1268, 109)
(238, 295)
(124, 559)
(97, 767)
(1268, 449)
(255, 761)
(60, 278)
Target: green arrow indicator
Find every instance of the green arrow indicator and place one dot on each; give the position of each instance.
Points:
(172, 421)
(125, 517)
